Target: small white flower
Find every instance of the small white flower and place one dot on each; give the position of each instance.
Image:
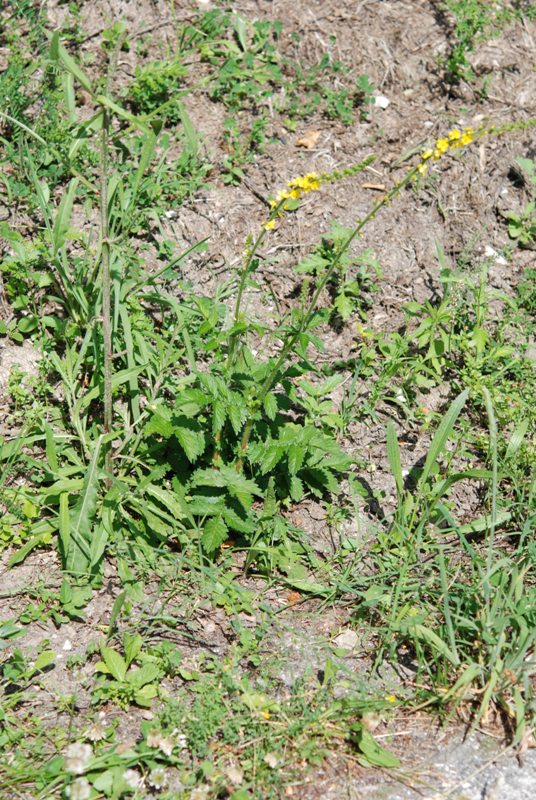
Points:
(180, 740)
(132, 779)
(158, 778)
(96, 732)
(79, 789)
(200, 793)
(76, 758)
(163, 743)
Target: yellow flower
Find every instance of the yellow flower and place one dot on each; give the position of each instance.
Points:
(422, 168)
(391, 698)
(467, 138)
(442, 145)
(269, 226)
(454, 135)
(427, 154)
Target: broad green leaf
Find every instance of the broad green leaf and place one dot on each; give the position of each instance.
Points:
(374, 754)
(44, 659)
(114, 614)
(132, 644)
(146, 695)
(77, 558)
(238, 523)
(62, 223)
(115, 663)
(147, 673)
(517, 438)
(243, 489)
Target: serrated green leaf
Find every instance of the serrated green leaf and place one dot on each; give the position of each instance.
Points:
(160, 423)
(219, 415)
(296, 457)
(237, 414)
(271, 456)
(214, 534)
(190, 436)
(238, 523)
(344, 306)
(270, 406)
(296, 489)
(312, 264)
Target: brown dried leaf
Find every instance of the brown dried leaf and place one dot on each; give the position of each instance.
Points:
(309, 139)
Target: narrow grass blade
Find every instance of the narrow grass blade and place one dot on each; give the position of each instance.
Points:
(446, 427)
(58, 53)
(393, 454)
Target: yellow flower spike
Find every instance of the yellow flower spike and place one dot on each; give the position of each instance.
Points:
(442, 145)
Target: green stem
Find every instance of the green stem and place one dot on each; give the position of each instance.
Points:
(293, 336)
(106, 294)
(233, 338)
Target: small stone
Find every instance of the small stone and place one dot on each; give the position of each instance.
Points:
(381, 101)
(235, 775)
(347, 640)
(67, 645)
